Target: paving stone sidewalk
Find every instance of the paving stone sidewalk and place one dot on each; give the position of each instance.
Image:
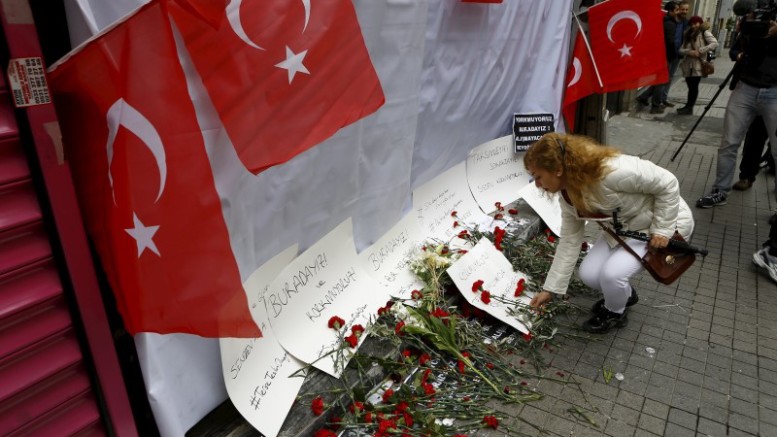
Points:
(699, 357)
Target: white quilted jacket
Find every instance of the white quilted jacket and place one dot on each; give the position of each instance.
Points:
(647, 198)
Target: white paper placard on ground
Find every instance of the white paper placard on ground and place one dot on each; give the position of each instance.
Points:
(326, 280)
(545, 204)
(388, 260)
(496, 173)
(257, 370)
(483, 262)
(434, 202)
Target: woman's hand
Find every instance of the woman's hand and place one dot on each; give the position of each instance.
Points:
(694, 54)
(541, 299)
(658, 241)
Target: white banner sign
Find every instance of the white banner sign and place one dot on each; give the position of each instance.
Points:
(545, 204)
(485, 263)
(434, 202)
(388, 260)
(496, 173)
(326, 280)
(257, 370)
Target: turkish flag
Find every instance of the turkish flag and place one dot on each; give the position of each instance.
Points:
(284, 75)
(144, 182)
(581, 80)
(627, 40)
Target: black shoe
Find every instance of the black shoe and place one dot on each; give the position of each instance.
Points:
(642, 101)
(668, 104)
(599, 305)
(604, 321)
(685, 110)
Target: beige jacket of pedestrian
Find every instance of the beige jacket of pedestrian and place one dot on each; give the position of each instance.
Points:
(704, 42)
(647, 198)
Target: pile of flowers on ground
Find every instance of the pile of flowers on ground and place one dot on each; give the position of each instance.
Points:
(455, 368)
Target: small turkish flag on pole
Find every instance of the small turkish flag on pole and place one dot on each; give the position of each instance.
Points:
(582, 79)
(284, 75)
(145, 184)
(627, 40)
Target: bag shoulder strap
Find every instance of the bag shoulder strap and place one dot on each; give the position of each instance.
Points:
(622, 243)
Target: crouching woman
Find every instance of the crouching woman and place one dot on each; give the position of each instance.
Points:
(594, 181)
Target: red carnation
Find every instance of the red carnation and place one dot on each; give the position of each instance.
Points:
(519, 287)
(527, 337)
(387, 395)
(422, 360)
(357, 330)
(485, 296)
(398, 328)
(368, 417)
(499, 217)
(455, 224)
(490, 365)
(453, 213)
(425, 377)
(444, 250)
(498, 206)
(317, 406)
(584, 246)
(325, 433)
(408, 419)
(352, 340)
(490, 421)
(439, 313)
(416, 295)
(477, 285)
(356, 408)
(512, 211)
(462, 251)
(463, 234)
(551, 239)
(428, 389)
(336, 323)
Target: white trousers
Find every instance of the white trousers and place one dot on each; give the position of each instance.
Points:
(610, 269)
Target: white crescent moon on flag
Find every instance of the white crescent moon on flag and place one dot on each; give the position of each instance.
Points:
(233, 16)
(578, 72)
(122, 113)
(306, 5)
(624, 15)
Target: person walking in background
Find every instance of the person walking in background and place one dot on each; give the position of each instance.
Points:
(596, 181)
(766, 258)
(697, 42)
(754, 157)
(674, 25)
(653, 95)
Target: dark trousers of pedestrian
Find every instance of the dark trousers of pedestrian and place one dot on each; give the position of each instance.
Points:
(693, 90)
(753, 151)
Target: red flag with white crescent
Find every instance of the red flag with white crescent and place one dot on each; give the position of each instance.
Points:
(284, 75)
(581, 80)
(145, 184)
(627, 40)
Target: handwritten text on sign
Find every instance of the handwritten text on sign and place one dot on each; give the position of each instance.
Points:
(326, 280)
(434, 201)
(388, 260)
(257, 370)
(496, 173)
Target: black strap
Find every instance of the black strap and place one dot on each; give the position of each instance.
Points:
(622, 243)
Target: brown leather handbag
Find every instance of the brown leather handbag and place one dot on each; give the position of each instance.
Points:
(664, 265)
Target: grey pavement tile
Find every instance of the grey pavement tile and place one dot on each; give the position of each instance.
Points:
(666, 368)
(718, 372)
(652, 424)
(688, 390)
(766, 375)
(725, 331)
(711, 428)
(560, 426)
(722, 340)
(720, 358)
(718, 385)
(744, 368)
(712, 412)
(643, 433)
(744, 408)
(625, 414)
(690, 405)
(695, 353)
(743, 423)
(745, 346)
(584, 430)
(656, 409)
(678, 431)
(690, 377)
(692, 364)
(712, 397)
(616, 428)
(768, 429)
(768, 353)
(682, 418)
(533, 415)
(744, 380)
(673, 337)
(701, 334)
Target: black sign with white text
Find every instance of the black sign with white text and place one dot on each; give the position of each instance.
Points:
(528, 128)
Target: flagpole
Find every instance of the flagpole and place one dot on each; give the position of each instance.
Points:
(588, 47)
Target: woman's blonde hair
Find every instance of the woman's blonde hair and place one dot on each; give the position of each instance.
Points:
(581, 159)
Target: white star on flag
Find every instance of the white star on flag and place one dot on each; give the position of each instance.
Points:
(293, 63)
(625, 51)
(143, 235)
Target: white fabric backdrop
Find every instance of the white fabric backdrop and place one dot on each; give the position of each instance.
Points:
(453, 74)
